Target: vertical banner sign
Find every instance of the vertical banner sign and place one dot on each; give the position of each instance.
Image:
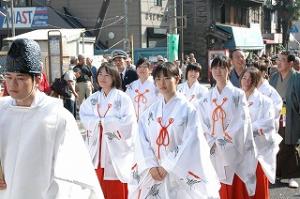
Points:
(173, 41)
(55, 54)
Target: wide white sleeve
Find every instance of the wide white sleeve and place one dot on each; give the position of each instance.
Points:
(265, 125)
(87, 115)
(193, 147)
(73, 173)
(144, 155)
(239, 128)
(276, 100)
(119, 136)
(204, 119)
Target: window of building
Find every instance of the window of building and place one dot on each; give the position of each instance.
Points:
(158, 2)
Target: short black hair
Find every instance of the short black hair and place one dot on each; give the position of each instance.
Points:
(290, 56)
(142, 61)
(195, 67)
(221, 61)
(167, 69)
(233, 51)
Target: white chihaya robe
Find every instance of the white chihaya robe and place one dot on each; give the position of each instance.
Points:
(182, 151)
(117, 116)
(43, 154)
(142, 94)
(266, 89)
(227, 127)
(265, 136)
(194, 93)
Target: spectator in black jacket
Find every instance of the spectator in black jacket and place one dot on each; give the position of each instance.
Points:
(127, 75)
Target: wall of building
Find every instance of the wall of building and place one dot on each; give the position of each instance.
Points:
(198, 21)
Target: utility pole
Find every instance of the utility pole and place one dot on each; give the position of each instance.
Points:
(173, 18)
(181, 35)
(126, 25)
(13, 31)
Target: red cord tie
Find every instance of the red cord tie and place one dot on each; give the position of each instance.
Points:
(219, 113)
(140, 98)
(163, 137)
(101, 129)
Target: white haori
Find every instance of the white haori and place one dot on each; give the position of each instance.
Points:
(43, 154)
(265, 135)
(142, 95)
(193, 93)
(116, 114)
(170, 137)
(227, 127)
(266, 89)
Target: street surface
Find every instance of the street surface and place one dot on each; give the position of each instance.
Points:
(281, 191)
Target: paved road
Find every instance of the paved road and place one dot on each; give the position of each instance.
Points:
(281, 191)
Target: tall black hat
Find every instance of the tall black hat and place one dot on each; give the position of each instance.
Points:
(24, 56)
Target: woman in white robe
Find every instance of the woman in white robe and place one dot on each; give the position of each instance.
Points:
(109, 118)
(265, 88)
(191, 88)
(142, 91)
(172, 156)
(227, 126)
(265, 136)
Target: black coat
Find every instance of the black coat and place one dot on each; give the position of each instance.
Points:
(130, 76)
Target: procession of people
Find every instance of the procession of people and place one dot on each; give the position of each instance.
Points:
(151, 131)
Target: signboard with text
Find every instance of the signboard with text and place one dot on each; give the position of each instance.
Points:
(25, 17)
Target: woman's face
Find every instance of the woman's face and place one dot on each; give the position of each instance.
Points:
(193, 75)
(166, 85)
(220, 74)
(246, 82)
(104, 79)
(143, 71)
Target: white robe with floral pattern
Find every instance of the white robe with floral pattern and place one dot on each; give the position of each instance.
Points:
(193, 93)
(142, 94)
(265, 136)
(182, 151)
(116, 114)
(227, 127)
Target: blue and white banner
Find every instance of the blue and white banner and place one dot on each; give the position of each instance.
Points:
(25, 17)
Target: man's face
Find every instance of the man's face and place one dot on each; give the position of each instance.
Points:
(282, 63)
(20, 85)
(120, 63)
(81, 61)
(238, 59)
(88, 61)
(296, 66)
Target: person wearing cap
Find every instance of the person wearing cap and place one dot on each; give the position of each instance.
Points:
(127, 75)
(84, 83)
(41, 152)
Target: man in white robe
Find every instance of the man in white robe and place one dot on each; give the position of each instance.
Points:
(41, 150)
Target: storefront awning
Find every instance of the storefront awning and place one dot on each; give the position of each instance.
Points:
(243, 38)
